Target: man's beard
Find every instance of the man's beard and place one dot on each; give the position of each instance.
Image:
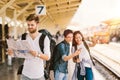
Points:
(32, 30)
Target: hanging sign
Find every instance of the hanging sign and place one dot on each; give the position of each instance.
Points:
(40, 10)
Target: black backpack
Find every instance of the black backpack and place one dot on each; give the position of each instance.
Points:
(41, 44)
(55, 58)
(41, 41)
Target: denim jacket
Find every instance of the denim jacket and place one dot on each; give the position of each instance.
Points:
(63, 50)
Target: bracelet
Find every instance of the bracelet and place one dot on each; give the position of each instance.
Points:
(38, 55)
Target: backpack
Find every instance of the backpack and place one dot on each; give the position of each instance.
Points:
(41, 44)
(55, 58)
(41, 41)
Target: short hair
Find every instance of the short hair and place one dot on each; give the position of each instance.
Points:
(33, 17)
(67, 31)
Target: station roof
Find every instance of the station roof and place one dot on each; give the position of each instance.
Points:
(58, 12)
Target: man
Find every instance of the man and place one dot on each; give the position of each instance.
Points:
(62, 56)
(34, 67)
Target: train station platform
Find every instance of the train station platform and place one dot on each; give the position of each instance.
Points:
(10, 72)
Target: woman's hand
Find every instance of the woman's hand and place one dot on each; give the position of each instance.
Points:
(76, 59)
(77, 52)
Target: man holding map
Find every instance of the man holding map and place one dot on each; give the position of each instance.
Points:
(33, 68)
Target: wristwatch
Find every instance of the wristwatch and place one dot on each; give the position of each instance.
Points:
(38, 55)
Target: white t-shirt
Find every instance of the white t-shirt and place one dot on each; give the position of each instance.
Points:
(34, 67)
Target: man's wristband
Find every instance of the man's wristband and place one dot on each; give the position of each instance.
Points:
(38, 55)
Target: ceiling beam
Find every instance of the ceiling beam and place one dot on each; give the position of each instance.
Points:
(42, 18)
(23, 10)
(5, 3)
(50, 3)
(1, 2)
(63, 6)
(64, 14)
(53, 20)
(24, 1)
(65, 10)
(6, 6)
(16, 6)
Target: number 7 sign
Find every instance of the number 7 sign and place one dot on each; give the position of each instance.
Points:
(40, 10)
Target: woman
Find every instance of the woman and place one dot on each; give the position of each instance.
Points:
(83, 68)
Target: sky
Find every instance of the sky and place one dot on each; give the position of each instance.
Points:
(93, 12)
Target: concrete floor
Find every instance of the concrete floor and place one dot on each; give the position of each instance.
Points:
(8, 72)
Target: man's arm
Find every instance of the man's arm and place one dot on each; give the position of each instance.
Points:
(63, 52)
(46, 55)
(66, 58)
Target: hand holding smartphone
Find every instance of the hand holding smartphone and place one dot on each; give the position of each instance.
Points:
(77, 52)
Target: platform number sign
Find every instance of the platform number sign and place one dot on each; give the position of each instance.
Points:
(40, 10)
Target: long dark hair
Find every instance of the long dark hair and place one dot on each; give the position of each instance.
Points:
(84, 42)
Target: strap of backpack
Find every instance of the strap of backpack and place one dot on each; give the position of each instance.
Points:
(23, 36)
(41, 42)
(85, 44)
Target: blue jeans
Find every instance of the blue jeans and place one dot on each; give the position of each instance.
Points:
(88, 76)
(60, 76)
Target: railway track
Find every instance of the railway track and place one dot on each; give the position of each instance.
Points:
(111, 65)
(104, 71)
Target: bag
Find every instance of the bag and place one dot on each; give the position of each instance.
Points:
(46, 74)
(41, 41)
(20, 70)
(52, 62)
(41, 44)
(52, 46)
(55, 58)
